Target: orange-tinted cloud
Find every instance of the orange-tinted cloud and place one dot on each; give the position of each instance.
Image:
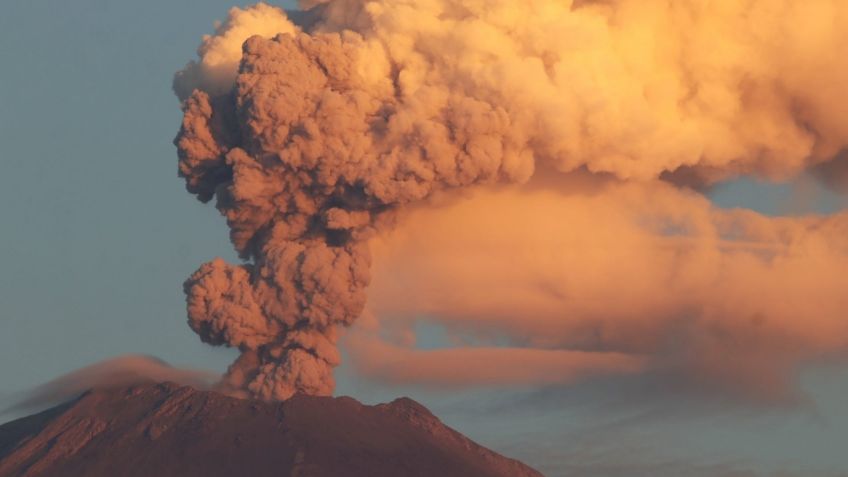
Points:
(640, 269)
(489, 366)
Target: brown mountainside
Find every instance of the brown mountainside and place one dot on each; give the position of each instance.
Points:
(169, 430)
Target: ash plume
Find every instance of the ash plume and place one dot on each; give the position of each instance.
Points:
(315, 136)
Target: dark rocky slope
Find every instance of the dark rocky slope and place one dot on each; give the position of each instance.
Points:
(169, 430)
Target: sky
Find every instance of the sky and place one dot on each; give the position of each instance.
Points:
(99, 234)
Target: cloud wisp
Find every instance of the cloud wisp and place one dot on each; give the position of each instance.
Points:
(110, 373)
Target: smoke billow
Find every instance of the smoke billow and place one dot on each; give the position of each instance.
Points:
(312, 137)
(220, 53)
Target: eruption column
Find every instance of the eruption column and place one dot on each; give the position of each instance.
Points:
(311, 138)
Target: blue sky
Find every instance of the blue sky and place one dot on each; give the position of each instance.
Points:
(99, 234)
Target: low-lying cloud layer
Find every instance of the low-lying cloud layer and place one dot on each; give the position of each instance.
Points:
(114, 372)
(321, 136)
(654, 273)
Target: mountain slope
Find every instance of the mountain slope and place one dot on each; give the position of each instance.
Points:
(167, 430)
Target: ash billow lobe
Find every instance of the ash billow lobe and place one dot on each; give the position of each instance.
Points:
(303, 159)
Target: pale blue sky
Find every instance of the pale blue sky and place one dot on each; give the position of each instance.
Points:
(98, 235)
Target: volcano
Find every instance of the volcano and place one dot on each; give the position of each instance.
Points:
(164, 429)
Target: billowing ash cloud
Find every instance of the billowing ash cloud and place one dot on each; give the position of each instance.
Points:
(322, 132)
